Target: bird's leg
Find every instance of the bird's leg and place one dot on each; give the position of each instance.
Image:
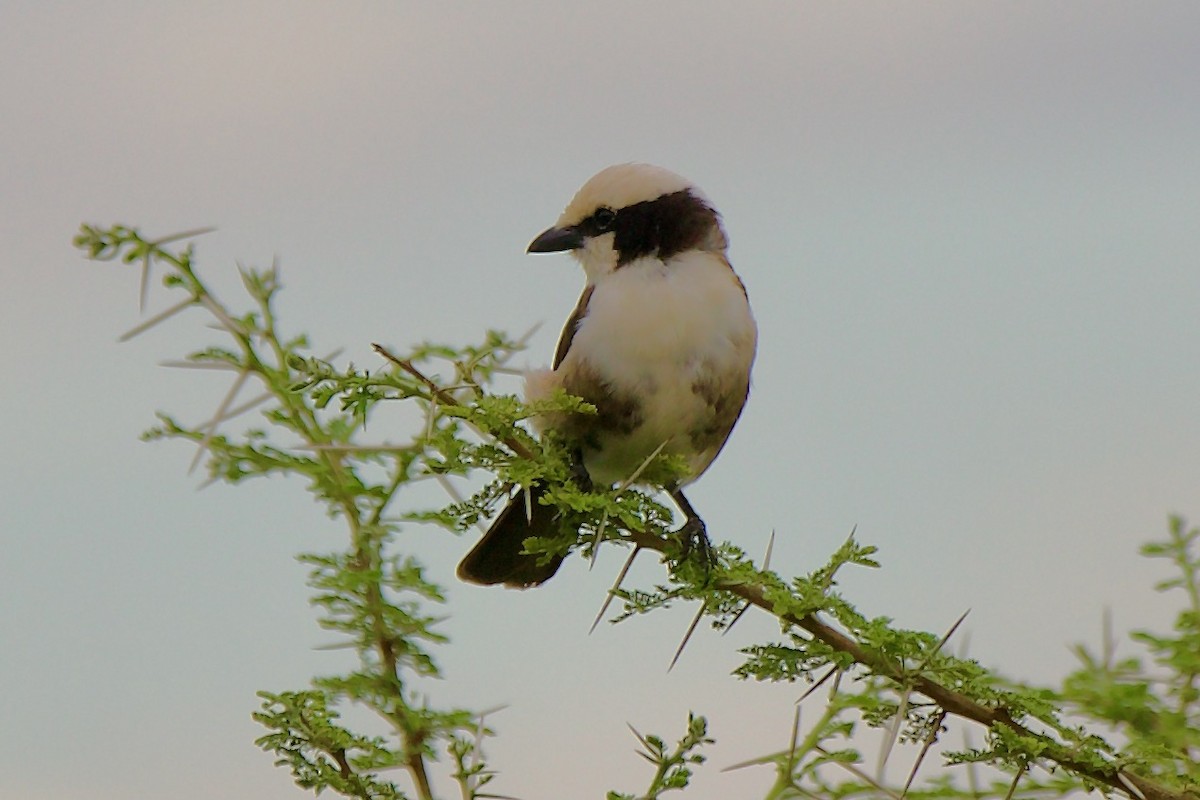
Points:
(694, 532)
(579, 473)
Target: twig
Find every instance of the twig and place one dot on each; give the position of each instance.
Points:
(766, 565)
(144, 281)
(447, 399)
(791, 761)
(1013, 788)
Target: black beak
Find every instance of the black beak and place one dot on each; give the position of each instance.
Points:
(556, 240)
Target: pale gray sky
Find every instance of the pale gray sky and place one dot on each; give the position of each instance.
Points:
(969, 233)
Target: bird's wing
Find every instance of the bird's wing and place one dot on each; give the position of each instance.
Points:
(568, 333)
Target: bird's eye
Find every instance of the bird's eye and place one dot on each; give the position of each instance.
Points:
(604, 218)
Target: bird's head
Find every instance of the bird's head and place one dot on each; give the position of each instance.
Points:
(632, 211)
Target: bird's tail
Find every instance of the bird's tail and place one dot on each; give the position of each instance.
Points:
(498, 556)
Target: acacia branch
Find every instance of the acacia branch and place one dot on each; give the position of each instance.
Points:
(447, 399)
(949, 700)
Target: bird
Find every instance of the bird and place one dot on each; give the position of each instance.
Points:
(661, 342)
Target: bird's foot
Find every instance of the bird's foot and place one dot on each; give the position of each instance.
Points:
(694, 537)
(579, 473)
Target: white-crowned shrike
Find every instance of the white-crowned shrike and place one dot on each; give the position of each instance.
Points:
(661, 343)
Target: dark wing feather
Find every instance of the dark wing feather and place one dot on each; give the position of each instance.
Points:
(568, 333)
(499, 556)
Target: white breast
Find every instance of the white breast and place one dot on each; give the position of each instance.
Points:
(652, 330)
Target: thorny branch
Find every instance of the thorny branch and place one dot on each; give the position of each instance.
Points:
(949, 700)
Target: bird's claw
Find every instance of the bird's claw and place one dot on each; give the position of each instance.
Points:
(694, 537)
(579, 473)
